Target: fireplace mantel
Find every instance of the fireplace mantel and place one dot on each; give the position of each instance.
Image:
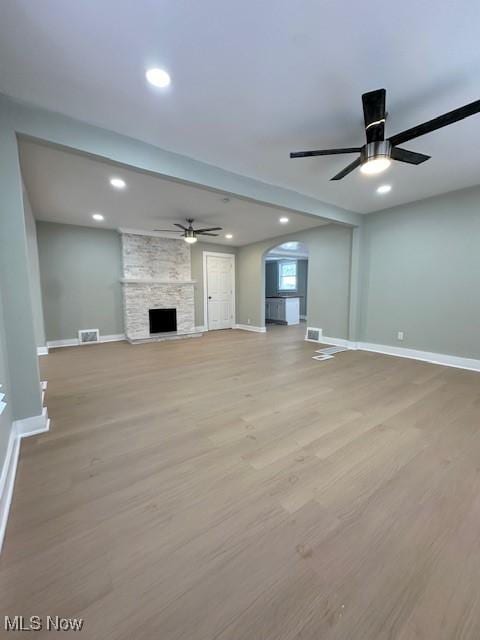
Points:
(155, 281)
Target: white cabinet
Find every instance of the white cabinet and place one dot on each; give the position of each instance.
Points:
(283, 310)
(292, 310)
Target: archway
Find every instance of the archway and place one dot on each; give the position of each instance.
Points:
(285, 284)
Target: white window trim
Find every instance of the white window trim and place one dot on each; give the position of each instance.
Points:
(279, 277)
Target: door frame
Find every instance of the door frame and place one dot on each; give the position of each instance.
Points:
(216, 254)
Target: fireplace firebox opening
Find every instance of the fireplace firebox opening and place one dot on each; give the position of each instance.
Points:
(162, 320)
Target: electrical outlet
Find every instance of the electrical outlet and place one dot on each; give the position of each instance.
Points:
(248, 320)
(400, 335)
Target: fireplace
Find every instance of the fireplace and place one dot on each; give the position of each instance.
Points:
(157, 288)
(162, 320)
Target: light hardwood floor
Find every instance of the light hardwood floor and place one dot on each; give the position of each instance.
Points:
(232, 488)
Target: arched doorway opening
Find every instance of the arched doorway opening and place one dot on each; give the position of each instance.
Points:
(285, 291)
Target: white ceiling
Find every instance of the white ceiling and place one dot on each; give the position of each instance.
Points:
(254, 80)
(288, 250)
(68, 187)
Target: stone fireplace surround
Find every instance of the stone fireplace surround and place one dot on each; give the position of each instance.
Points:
(156, 275)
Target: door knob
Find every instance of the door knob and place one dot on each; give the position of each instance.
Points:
(209, 297)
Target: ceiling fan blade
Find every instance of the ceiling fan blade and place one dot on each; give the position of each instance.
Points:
(207, 234)
(180, 225)
(353, 165)
(374, 114)
(323, 152)
(210, 229)
(403, 155)
(167, 230)
(437, 123)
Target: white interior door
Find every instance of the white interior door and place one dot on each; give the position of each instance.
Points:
(220, 291)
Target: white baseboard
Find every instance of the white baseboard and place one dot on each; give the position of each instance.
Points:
(250, 327)
(73, 342)
(201, 329)
(20, 429)
(115, 337)
(43, 389)
(42, 351)
(32, 426)
(7, 481)
(425, 356)
(444, 359)
(338, 342)
(70, 342)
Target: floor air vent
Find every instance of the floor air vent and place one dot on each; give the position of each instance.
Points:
(313, 334)
(327, 353)
(87, 336)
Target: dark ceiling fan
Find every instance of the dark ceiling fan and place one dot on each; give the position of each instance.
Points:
(189, 233)
(376, 155)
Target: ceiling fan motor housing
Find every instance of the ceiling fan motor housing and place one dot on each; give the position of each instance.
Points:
(374, 150)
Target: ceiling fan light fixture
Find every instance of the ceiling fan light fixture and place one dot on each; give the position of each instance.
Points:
(190, 236)
(376, 165)
(375, 157)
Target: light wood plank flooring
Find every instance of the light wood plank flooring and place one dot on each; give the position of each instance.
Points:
(232, 488)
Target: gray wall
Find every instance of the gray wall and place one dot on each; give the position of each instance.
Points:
(6, 416)
(302, 285)
(271, 278)
(271, 281)
(34, 271)
(329, 250)
(197, 273)
(21, 348)
(421, 275)
(80, 271)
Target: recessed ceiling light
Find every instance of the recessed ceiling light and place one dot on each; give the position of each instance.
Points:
(228, 236)
(98, 217)
(384, 188)
(377, 165)
(158, 77)
(283, 220)
(118, 183)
